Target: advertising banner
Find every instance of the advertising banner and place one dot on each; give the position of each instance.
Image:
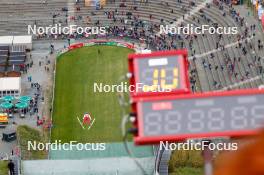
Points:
(74, 46)
(96, 42)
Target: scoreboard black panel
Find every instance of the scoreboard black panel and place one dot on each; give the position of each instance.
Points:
(159, 73)
(172, 118)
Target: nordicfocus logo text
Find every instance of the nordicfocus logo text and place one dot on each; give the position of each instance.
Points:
(72, 145)
(191, 29)
(199, 146)
(125, 87)
(57, 29)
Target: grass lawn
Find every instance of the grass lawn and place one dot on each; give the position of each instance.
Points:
(77, 71)
(3, 167)
(25, 134)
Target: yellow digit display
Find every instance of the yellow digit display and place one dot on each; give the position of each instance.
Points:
(163, 84)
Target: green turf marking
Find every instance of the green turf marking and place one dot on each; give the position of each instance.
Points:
(77, 71)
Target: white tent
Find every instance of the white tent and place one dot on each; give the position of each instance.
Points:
(10, 86)
(25, 41)
(6, 40)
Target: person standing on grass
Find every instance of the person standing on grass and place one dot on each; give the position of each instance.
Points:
(11, 167)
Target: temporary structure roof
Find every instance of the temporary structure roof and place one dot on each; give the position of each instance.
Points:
(10, 83)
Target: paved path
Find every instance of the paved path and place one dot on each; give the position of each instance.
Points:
(39, 75)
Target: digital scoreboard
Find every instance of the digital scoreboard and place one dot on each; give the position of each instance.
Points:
(162, 72)
(213, 114)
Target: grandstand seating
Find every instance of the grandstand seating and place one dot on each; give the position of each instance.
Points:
(208, 72)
